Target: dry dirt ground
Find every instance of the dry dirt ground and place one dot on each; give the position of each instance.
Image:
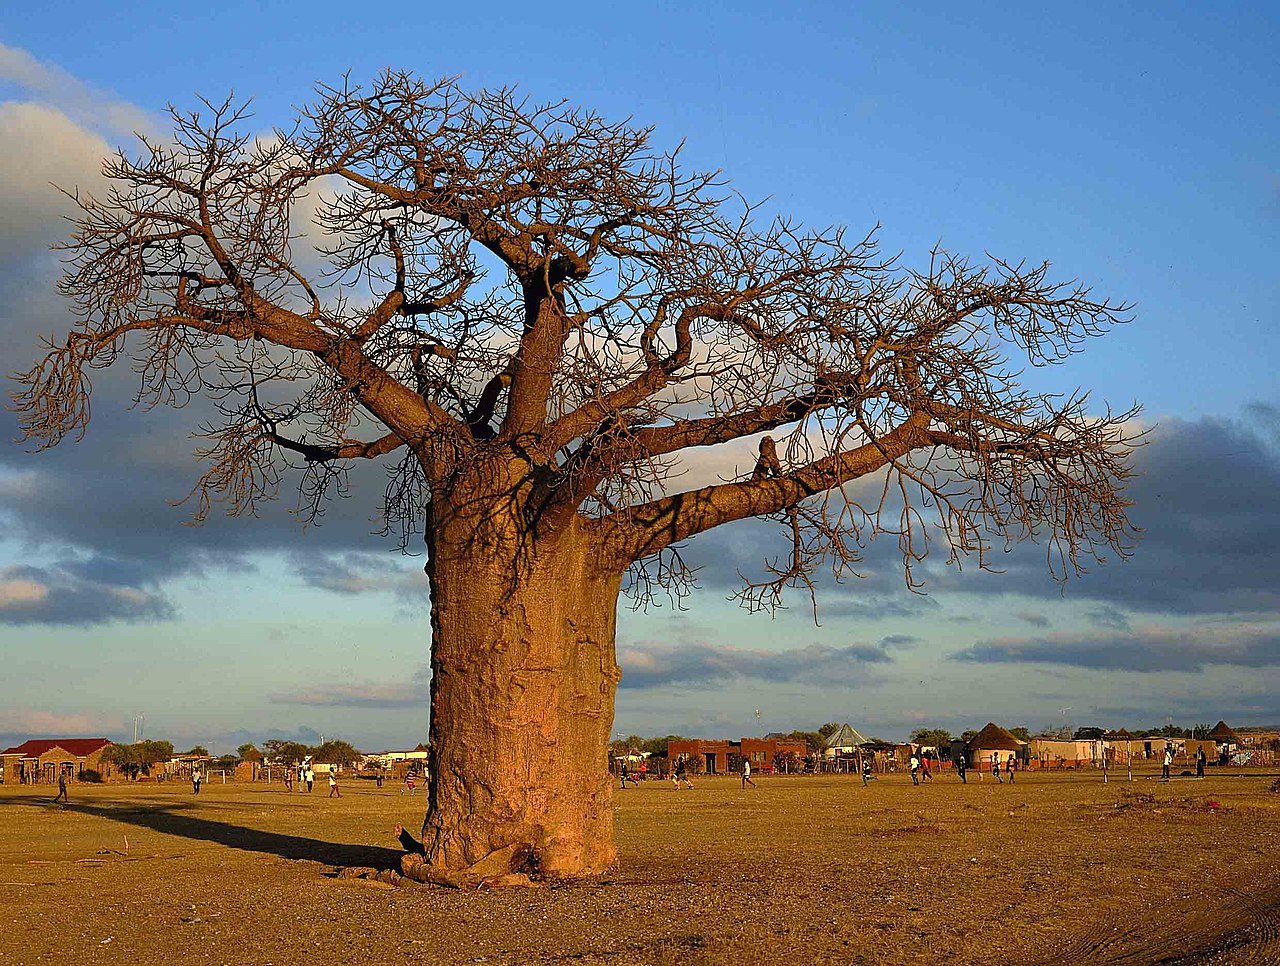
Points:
(1055, 869)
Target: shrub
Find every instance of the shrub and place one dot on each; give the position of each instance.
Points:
(92, 776)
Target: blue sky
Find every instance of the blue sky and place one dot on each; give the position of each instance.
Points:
(1137, 148)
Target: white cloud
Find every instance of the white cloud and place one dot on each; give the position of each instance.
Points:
(42, 147)
(51, 84)
(20, 721)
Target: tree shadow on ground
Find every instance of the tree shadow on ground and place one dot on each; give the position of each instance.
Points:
(169, 820)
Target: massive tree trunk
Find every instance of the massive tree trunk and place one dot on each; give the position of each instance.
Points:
(522, 691)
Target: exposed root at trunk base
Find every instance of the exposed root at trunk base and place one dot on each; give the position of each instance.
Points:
(501, 869)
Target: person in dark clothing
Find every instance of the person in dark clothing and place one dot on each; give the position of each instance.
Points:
(62, 787)
(624, 774)
(960, 769)
(1201, 757)
(680, 774)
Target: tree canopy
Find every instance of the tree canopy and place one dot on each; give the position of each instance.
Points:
(336, 752)
(470, 272)
(139, 757)
(932, 737)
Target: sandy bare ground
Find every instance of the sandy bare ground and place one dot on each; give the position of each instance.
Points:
(1055, 869)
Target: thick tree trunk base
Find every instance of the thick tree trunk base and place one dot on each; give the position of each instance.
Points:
(522, 689)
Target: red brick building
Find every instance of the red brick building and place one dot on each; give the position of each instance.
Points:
(41, 760)
(714, 757)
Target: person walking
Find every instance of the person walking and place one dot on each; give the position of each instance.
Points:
(408, 783)
(746, 773)
(960, 768)
(1200, 760)
(62, 787)
(288, 779)
(926, 767)
(995, 767)
(196, 778)
(311, 779)
(915, 769)
(1168, 761)
(302, 779)
(378, 778)
(333, 784)
(1011, 766)
(866, 772)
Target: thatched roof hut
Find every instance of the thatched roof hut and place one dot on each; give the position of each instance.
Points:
(993, 738)
(1222, 733)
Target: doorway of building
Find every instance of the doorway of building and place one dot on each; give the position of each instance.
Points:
(710, 757)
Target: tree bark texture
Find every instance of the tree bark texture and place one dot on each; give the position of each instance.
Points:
(522, 692)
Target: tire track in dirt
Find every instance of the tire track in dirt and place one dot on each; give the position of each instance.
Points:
(1242, 929)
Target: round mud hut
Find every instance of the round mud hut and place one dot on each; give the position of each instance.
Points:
(991, 739)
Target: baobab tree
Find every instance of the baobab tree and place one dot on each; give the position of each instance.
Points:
(532, 314)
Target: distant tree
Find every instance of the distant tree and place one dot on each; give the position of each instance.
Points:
(138, 758)
(530, 313)
(285, 752)
(786, 761)
(932, 737)
(1088, 734)
(1173, 731)
(200, 750)
(1201, 731)
(336, 752)
(155, 751)
(249, 752)
(226, 762)
(658, 746)
(123, 757)
(813, 740)
(1022, 734)
(828, 729)
(967, 735)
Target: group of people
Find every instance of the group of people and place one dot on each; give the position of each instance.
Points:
(921, 769)
(304, 777)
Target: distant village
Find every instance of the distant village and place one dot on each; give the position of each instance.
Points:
(843, 748)
(832, 748)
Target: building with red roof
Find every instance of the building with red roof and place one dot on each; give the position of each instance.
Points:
(44, 759)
